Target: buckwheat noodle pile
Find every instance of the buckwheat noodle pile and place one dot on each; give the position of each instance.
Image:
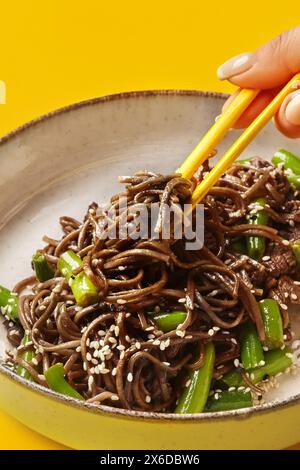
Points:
(113, 352)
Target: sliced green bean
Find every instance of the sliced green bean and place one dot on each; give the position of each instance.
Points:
(271, 317)
(55, 377)
(194, 397)
(42, 269)
(276, 361)
(170, 320)
(225, 401)
(255, 244)
(27, 356)
(251, 348)
(288, 159)
(296, 250)
(9, 303)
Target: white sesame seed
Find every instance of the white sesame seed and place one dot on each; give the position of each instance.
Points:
(240, 389)
(101, 333)
(166, 363)
(94, 361)
(294, 296)
(121, 268)
(35, 361)
(233, 340)
(128, 315)
(297, 283)
(188, 383)
(236, 363)
(90, 381)
(247, 389)
(231, 389)
(266, 258)
(289, 355)
(104, 371)
(128, 339)
(167, 342)
(92, 370)
(130, 377)
(114, 371)
(156, 342)
(216, 328)
(121, 347)
(112, 340)
(285, 242)
(265, 348)
(180, 333)
(88, 356)
(162, 346)
(122, 354)
(286, 295)
(138, 345)
(150, 328)
(151, 336)
(211, 332)
(285, 337)
(147, 399)
(283, 306)
(252, 377)
(117, 331)
(182, 300)
(262, 363)
(114, 398)
(216, 396)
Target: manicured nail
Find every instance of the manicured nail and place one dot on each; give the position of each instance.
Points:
(238, 64)
(292, 111)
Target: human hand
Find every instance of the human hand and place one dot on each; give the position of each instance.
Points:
(271, 66)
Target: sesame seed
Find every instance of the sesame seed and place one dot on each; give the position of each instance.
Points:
(289, 355)
(156, 342)
(167, 342)
(285, 337)
(147, 399)
(138, 345)
(266, 258)
(92, 370)
(233, 340)
(114, 371)
(121, 301)
(90, 381)
(130, 377)
(265, 348)
(236, 363)
(128, 315)
(216, 396)
(297, 283)
(122, 354)
(151, 336)
(35, 361)
(262, 363)
(150, 328)
(283, 306)
(121, 268)
(231, 389)
(88, 356)
(104, 371)
(121, 347)
(117, 331)
(182, 300)
(188, 383)
(128, 339)
(286, 295)
(247, 389)
(94, 361)
(162, 346)
(285, 242)
(252, 377)
(216, 328)
(211, 332)
(180, 333)
(114, 398)
(240, 389)
(101, 333)
(112, 340)
(166, 363)
(294, 296)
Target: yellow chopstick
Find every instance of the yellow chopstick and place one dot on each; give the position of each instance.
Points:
(217, 132)
(241, 143)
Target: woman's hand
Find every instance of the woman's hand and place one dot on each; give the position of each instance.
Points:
(271, 66)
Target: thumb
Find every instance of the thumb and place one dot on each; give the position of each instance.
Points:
(271, 65)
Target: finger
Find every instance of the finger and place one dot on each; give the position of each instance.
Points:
(270, 66)
(287, 120)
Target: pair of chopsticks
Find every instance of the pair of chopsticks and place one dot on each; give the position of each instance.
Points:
(222, 125)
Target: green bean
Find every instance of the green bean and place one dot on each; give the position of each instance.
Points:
(55, 377)
(168, 321)
(194, 396)
(276, 361)
(42, 269)
(9, 304)
(84, 291)
(289, 161)
(27, 356)
(296, 250)
(271, 317)
(256, 244)
(229, 400)
(251, 349)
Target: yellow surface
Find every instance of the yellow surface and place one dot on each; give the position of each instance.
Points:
(60, 51)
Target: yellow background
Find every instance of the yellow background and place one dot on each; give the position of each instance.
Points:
(55, 52)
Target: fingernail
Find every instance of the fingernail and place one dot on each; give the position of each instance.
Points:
(238, 64)
(292, 111)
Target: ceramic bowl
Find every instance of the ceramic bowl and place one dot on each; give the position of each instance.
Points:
(57, 165)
